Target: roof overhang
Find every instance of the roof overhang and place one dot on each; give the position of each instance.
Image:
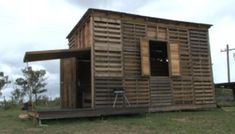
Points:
(56, 54)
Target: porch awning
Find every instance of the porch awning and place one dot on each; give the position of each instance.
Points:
(56, 54)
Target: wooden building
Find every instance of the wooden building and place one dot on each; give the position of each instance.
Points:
(161, 64)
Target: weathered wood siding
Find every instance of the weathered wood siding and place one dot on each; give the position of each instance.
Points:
(202, 75)
(136, 86)
(82, 38)
(160, 92)
(107, 47)
(182, 86)
(107, 63)
(70, 91)
(174, 58)
(118, 59)
(190, 77)
(145, 60)
(104, 96)
(118, 66)
(68, 83)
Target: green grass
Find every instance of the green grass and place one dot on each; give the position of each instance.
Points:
(218, 121)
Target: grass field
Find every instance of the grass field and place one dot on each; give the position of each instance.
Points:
(217, 121)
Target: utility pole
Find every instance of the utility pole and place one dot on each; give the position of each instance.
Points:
(228, 65)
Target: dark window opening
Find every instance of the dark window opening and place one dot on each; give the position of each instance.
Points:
(158, 58)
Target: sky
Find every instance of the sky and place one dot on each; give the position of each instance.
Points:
(28, 25)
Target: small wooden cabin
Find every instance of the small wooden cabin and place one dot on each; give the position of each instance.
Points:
(161, 64)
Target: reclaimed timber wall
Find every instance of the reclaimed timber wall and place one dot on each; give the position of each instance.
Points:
(115, 42)
(104, 96)
(182, 86)
(136, 86)
(71, 94)
(107, 47)
(68, 83)
(157, 32)
(202, 75)
(190, 80)
(82, 37)
(160, 92)
(160, 87)
(145, 59)
(108, 70)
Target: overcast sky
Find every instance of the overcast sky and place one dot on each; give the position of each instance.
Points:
(27, 25)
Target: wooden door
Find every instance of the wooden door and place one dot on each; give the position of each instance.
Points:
(68, 83)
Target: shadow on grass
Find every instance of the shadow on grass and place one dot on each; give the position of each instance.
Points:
(129, 118)
(95, 119)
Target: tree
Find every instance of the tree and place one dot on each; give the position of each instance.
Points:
(18, 96)
(3, 81)
(32, 83)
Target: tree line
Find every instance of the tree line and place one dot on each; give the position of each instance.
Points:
(28, 87)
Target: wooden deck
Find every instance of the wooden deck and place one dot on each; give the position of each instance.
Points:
(89, 112)
(78, 113)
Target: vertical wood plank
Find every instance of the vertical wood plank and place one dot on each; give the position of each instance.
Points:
(68, 82)
(174, 59)
(144, 51)
(61, 85)
(92, 63)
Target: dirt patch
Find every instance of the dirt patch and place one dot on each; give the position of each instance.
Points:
(5, 131)
(34, 129)
(182, 120)
(117, 129)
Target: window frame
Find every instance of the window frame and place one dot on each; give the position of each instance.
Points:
(146, 64)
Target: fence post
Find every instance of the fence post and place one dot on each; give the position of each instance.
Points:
(5, 103)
